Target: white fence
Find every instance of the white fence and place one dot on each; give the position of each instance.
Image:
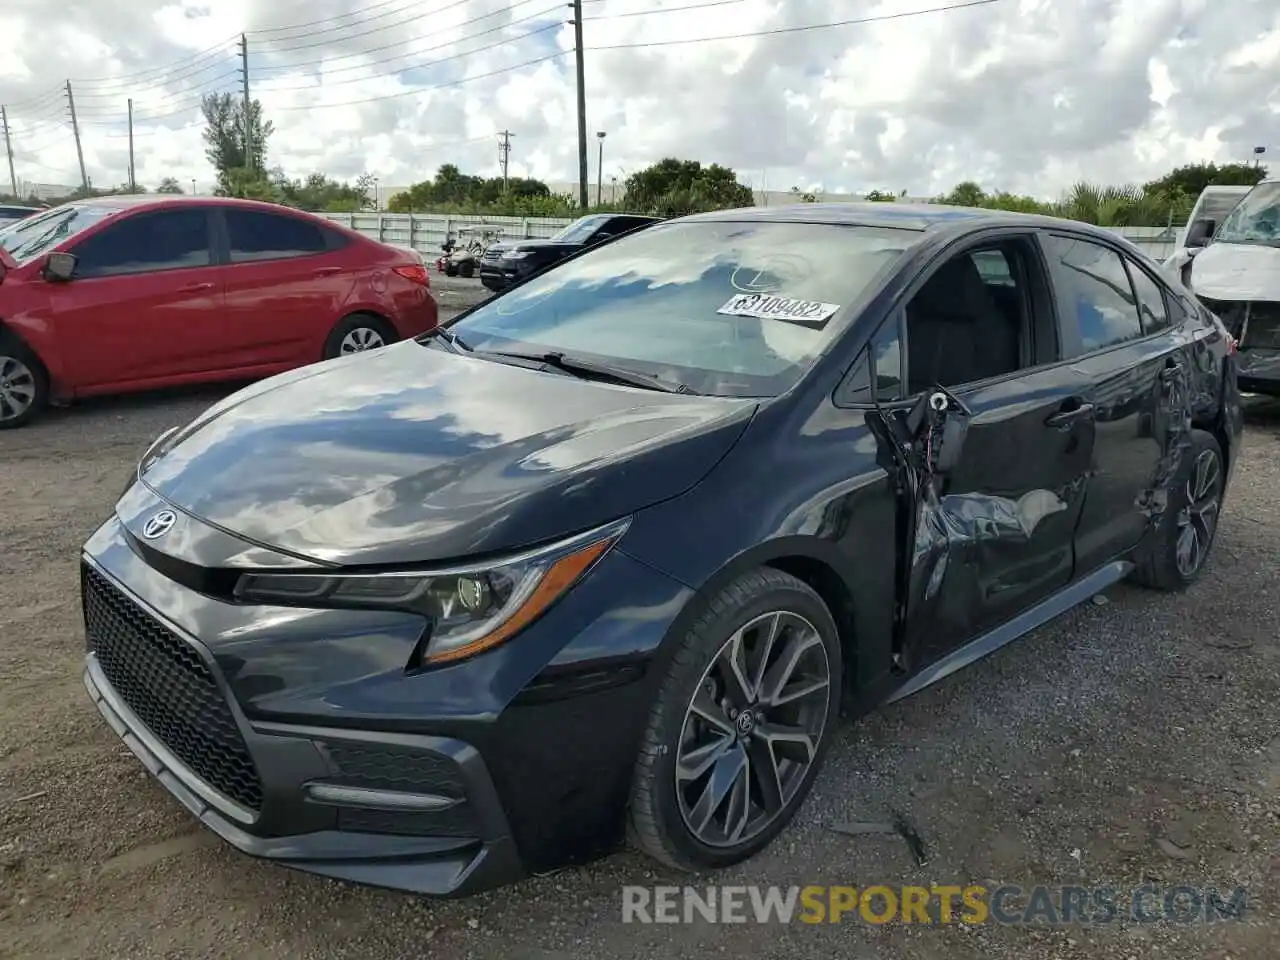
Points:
(425, 232)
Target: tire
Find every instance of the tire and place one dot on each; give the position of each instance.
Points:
(468, 269)
(1194, 505)
(24, 384)
(357, 333)
(661, 816)
(450, 269)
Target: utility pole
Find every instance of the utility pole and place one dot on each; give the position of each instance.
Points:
(133, 179)
(244, 80)
(582, 106)
(504, 155)
(8, 149)
(75, 128)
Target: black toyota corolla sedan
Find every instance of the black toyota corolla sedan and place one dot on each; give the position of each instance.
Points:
(608, 555)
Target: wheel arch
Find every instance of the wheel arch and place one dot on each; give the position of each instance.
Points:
(372, 312)
(8, 330)
(816, 563)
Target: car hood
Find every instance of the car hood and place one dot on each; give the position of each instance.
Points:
(412, 454)
(1237, 271)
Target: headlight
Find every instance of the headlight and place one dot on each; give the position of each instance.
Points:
(516, 254)
(469, 609)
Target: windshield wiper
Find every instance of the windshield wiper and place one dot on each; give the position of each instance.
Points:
(593, 369)
(455, 342)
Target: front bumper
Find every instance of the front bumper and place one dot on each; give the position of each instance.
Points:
(416, 813)
(242, 712)
(1259, 371)
(497, 276)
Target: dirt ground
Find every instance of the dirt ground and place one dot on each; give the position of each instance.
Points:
(1133, 741)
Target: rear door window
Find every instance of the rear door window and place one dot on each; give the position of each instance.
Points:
(254, 235)
(146, 243)
(1095, 290)
(1150, 299)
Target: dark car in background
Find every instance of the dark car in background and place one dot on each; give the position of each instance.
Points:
(605, 555)
(11, 213)
(504, 264)
(126, 293)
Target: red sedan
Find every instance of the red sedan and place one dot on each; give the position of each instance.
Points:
(119, 294)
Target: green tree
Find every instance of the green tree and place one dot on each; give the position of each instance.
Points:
(1194, 177)
(451, 190)
(674, 187)
(169, 185)
(224, 138)
(881, 196)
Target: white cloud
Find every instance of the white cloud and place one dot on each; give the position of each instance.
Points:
(1028, 95)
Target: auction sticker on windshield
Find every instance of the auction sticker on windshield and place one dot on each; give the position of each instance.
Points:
(810, 313)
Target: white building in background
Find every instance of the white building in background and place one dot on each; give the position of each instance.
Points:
(42, 191)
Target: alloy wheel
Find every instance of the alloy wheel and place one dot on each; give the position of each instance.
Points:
(1199, 517)
(752, 729)
(360, 339)
(17, 388)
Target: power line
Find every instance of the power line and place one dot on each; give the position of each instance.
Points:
(343, 16)
(650, 13)
(423, 65)
(778, 31)
(414, 91)
(425, 50)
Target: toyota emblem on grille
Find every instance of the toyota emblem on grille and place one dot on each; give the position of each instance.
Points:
(159, 524)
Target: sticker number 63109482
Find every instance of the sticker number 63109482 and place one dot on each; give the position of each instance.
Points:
(809, 313)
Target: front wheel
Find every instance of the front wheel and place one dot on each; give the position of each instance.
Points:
(24, 386)
(742, 722)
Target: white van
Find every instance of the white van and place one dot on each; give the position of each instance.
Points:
(1232, 264)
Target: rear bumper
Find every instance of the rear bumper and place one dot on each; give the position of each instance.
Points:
(328, 779)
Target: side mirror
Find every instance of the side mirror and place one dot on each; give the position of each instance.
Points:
(60, 267)
(1201, 232)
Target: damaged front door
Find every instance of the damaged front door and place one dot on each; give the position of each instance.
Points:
(993, 464)
(997, 489)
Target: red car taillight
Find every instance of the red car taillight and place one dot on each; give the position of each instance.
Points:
(415, 273)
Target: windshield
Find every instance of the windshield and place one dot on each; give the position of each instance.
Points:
(735, 309)
(29, 238)
(1256, 219)
(580, 229)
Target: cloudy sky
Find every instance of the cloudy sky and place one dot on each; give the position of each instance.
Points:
(1026, 95)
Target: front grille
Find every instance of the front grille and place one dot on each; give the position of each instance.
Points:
(1254, 323)
(170, 688)
(492, 256)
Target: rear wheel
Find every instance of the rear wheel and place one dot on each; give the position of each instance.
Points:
(24, 385)
(358, 333)
(742, 722)
(1180, 544)
(468, 269)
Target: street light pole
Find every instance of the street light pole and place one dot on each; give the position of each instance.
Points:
(600, 167)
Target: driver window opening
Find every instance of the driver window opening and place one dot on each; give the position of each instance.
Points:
(970, 320)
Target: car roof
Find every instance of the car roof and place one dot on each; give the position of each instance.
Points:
(133, 201)
(921, 217)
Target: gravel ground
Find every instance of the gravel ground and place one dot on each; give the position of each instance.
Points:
(1132, 741)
